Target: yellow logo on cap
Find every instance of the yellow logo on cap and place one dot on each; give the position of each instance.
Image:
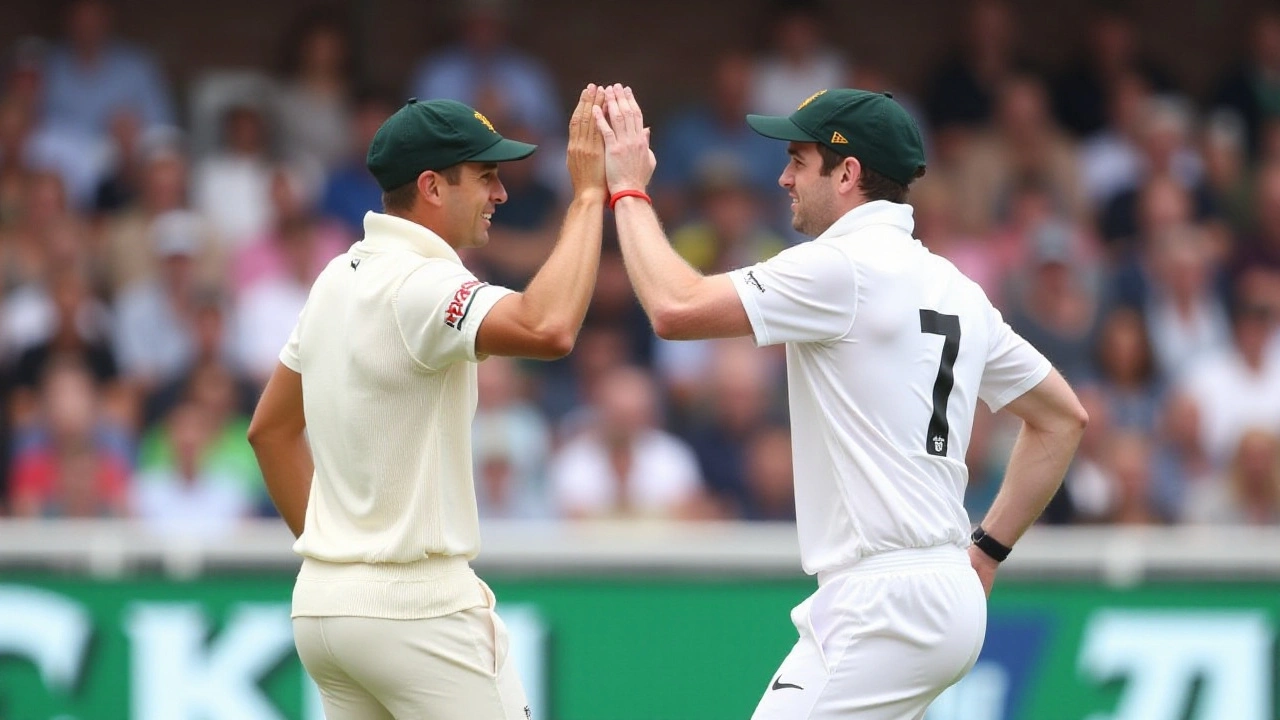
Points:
(838, 139)
(810, 99)
(486, 122)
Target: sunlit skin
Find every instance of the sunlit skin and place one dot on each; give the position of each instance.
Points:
(466, 209)
(814, 206)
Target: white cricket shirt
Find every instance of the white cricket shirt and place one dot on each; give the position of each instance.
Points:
(386, 349)
(889, 348)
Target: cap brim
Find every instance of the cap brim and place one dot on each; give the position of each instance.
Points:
(504, 151)
(779, 128)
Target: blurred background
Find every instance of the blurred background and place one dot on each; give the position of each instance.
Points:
(173, 176)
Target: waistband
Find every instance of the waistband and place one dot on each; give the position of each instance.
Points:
(398, 591)
(938, 556)
(431, 568)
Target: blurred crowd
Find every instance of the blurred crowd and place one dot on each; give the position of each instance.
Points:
(154, 254)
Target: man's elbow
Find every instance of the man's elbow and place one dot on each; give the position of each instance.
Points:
(551, 343)
(1080, 417)
(668, 322)
(256, 434)
(262, 433)
(1071, 420)
(559, 343)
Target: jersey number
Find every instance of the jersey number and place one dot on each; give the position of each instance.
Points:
(948, 326)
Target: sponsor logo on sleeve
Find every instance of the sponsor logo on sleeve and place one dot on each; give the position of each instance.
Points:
(753, 282)
(460, 305)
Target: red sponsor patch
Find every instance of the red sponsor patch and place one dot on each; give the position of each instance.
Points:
(461, 301)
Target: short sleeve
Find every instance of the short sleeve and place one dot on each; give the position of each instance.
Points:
(807, 293)
(290, 355)
(1013, 366)
(439, 309)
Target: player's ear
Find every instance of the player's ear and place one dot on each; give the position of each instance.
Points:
(849, 172)
(429, 187)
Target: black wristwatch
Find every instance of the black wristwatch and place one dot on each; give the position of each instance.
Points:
(997, 550)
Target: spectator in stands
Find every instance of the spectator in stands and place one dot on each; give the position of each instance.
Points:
(623, 466)
(1248, 493)
(274, 276)
(1111, 156)
(232, 187)
(190, 498)
(1125, 376)
(350, 190)
(1182, 467)
(1053, 307)
(1252, 89)
(24, 255)
(567, 390)
(512, 445)
(1260, 250)
(319, 73)
(1174, 283)
(1023, 144)
(122, 177)
(16, 124)
(92, 75)
(768, 473)
(729, 408)
(88, 81)
(212, 350)
(1238, 387)
(1111, 52)
(961, 91)
(153, 338)
(799, 61)
(79, 331)
(128, 236)
(72, 462)
(1127, 466)
(1166, 151)
(1031, 216)
(295, 235)
(1228, 175)
(23, 83)
(728, 230)
(709, 131)
(484, 69)
(937, 226)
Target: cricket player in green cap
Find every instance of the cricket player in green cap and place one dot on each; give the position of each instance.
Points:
(889, 349)
(380, 376)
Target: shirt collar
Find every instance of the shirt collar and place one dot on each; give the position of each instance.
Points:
(388, 232)
(876, 212)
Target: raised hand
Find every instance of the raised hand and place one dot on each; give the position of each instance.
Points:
(628, 161)
(586, 147)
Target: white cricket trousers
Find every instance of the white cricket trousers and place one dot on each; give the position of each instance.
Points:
(881, 639)
(452, 667)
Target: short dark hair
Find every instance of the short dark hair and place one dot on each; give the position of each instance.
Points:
(874, 186)
(401, 199)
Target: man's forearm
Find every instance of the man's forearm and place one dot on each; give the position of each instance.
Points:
(1037, 465)
(287, 468)
(558, 295)
(661, 278)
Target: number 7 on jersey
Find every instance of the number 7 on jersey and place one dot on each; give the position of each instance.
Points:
(948, 326)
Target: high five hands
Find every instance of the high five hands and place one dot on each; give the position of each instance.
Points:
(628, 160)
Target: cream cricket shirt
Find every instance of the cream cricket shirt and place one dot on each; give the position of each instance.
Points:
(889, 348)
(386, 349)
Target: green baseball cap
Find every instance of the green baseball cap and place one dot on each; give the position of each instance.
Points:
(869, 126)
(434, 135)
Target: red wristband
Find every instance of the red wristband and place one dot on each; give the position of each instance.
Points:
(614, 198)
